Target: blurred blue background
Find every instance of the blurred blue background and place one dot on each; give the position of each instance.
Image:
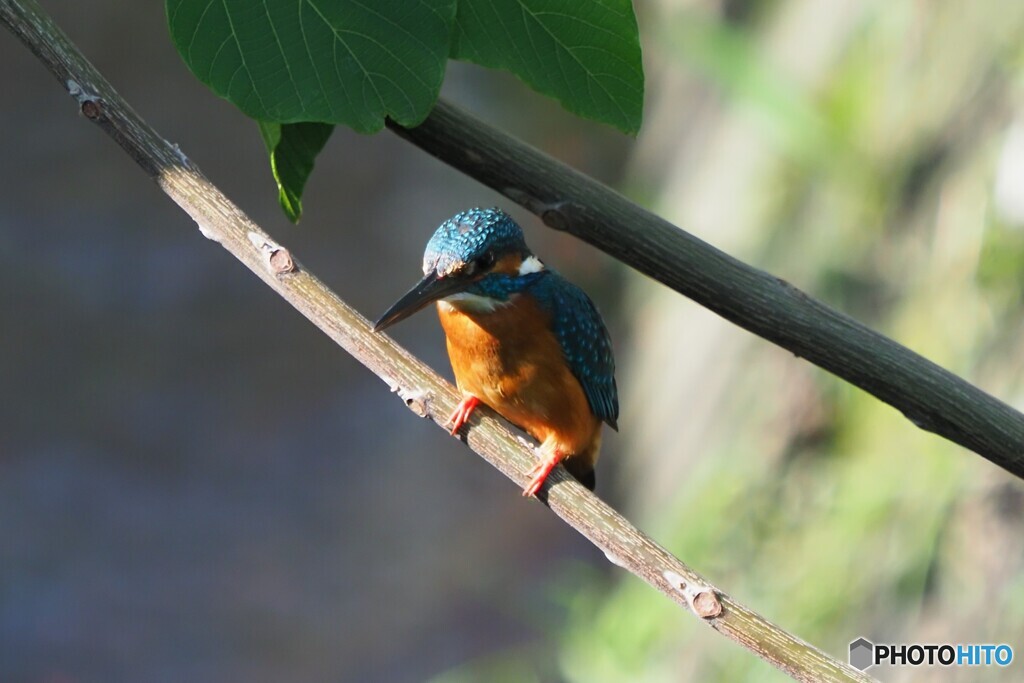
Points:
(197, 485)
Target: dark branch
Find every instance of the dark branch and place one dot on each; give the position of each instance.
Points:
(931, 397)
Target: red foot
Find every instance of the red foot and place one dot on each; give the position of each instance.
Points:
(540, 473)
(462, 413)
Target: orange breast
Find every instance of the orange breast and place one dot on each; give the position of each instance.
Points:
(510, 360)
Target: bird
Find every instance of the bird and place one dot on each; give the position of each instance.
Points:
(521, 339)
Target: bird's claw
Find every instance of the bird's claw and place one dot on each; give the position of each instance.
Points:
(540, 472)
(461, 414)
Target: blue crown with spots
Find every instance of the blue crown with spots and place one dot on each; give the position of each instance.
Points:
(468, 235)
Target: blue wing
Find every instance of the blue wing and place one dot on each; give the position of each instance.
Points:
(584, 340)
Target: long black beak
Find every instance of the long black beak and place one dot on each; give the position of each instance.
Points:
(429, 289)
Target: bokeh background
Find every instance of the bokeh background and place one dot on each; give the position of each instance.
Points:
(196, 485)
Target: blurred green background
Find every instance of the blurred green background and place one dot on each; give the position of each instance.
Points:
(196, 485)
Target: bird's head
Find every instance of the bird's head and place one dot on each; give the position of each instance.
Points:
(480, 253)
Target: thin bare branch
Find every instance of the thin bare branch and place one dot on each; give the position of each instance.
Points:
(931, 397)
(418, 386)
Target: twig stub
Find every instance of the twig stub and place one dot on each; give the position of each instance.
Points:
(92, 110)
(281, 261)
(706, 604)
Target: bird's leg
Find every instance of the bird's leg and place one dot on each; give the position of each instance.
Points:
(550, 457)
(462, 413)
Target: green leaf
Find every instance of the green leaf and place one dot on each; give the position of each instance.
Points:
(293, 148)
(335, 61)
(584, 54)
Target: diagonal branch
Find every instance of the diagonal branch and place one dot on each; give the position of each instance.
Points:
(421, 389)
(931, 397)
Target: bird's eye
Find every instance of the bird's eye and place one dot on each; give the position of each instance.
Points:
(484, 262)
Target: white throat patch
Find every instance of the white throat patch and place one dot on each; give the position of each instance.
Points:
(530, 264)
(464, 301)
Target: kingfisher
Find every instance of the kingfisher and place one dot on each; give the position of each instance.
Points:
(521, 339)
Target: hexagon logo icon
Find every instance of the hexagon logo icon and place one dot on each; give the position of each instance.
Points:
(862, 654)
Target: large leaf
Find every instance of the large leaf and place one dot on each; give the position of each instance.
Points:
(293, 148)
(333, 61)
(584, 53)
(300, 66)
